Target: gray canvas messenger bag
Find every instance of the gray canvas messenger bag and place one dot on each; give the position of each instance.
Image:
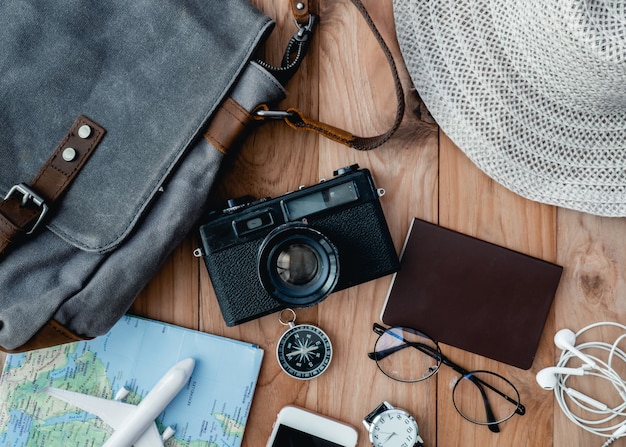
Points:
(114, 119)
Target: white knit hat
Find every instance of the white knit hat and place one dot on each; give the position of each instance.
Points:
(534, 92)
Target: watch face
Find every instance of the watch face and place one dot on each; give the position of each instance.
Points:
(394, 428)
(304, 351)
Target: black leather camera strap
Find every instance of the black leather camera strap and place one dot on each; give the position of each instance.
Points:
(297, 120)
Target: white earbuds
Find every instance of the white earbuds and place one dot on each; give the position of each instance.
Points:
(565, 340)
(548, 380)
(547, 377)
(600, 367)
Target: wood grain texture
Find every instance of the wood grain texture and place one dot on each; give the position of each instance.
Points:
(592, 290)
(345, 81)
(472, 203)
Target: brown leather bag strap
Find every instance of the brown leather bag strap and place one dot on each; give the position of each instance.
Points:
(25, 206)
(296, 119)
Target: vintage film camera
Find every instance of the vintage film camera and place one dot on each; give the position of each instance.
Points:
(294, 250)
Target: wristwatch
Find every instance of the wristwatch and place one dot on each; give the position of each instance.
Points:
(392, 427)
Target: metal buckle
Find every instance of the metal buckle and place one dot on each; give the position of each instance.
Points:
(273, 114)
(28, 195)
(305, 31)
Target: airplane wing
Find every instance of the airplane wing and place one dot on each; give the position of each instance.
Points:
(112, 412)
(150, 438)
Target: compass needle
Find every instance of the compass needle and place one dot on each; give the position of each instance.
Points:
(304, 351)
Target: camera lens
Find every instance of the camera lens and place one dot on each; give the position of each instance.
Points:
(298, 265)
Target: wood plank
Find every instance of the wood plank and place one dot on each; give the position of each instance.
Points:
(358, 95)
(593, 290)
(472, 203)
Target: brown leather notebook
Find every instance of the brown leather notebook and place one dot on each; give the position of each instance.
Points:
(472, 294)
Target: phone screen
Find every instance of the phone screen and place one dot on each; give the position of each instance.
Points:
(291, 437)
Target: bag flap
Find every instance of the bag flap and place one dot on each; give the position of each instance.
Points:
(150, 73)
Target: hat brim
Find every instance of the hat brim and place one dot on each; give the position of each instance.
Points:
(536, 113)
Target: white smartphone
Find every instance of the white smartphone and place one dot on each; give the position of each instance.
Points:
(297, 427)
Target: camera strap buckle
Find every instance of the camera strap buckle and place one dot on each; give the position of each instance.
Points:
(263, 113)
(292, 58)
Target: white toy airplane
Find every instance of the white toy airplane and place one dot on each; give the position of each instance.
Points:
(134, 424)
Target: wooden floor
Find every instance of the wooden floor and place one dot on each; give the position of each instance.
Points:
(345, 81)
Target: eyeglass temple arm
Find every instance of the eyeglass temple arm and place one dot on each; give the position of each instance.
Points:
(428, 350)
(519, 408)
(491, 418)
(379, 355)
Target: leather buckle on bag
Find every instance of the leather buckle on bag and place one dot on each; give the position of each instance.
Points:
(29, 196)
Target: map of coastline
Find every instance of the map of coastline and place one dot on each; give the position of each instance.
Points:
(211, 411)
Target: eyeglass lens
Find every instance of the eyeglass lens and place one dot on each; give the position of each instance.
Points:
(406, 355)
(485, 398)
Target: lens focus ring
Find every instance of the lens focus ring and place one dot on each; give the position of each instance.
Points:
(298, 265)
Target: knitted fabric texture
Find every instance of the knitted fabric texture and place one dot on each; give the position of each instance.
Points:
(534, 92)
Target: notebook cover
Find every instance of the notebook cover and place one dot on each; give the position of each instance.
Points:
(472, 294)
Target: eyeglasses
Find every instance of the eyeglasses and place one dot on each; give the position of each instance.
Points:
(481, 397)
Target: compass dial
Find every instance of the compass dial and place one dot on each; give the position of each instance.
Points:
(304, 351)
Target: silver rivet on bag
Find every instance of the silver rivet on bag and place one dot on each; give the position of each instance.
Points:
(84, 131)
(69, 154)
(300, 6)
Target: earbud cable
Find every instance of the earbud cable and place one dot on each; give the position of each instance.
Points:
(602, 370)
